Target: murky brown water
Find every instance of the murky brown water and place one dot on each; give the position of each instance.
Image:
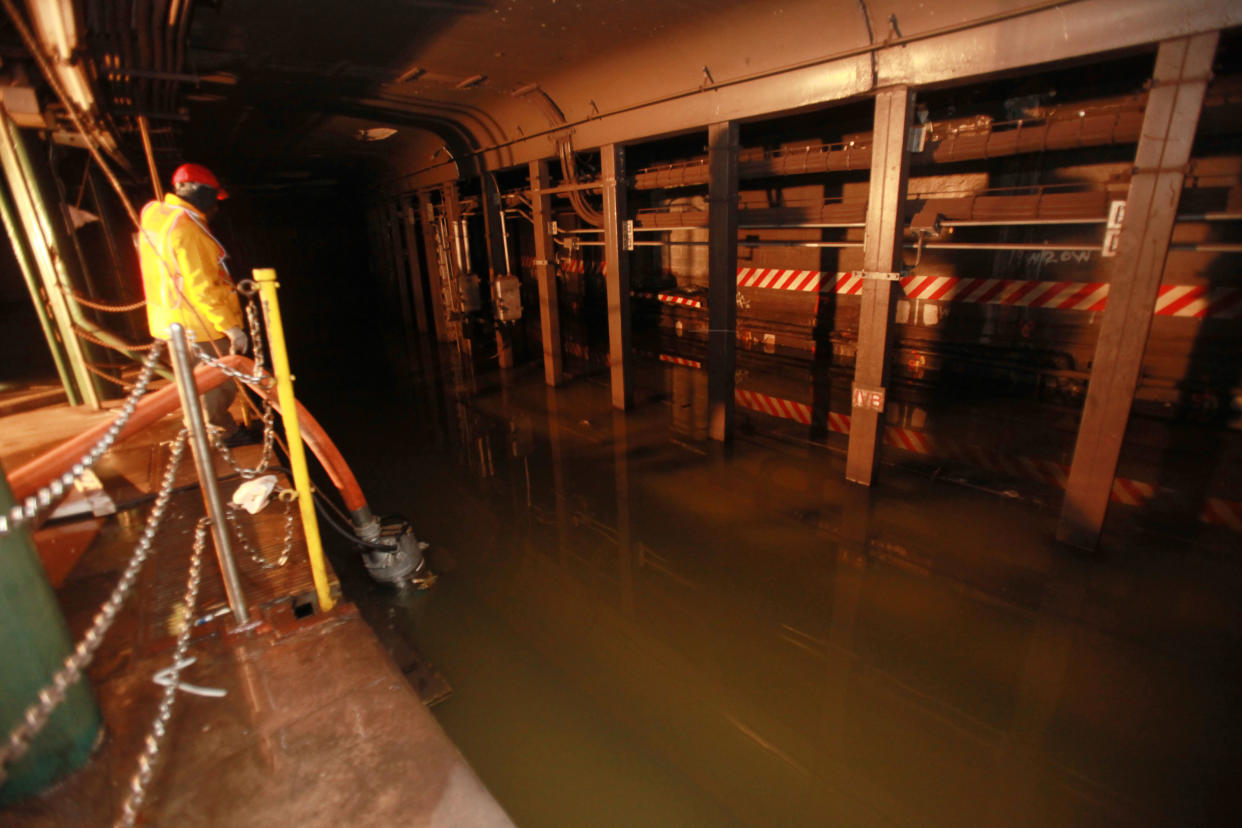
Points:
(640, 631)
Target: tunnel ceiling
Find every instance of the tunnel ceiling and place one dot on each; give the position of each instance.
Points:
(420, 91)
(313, 77)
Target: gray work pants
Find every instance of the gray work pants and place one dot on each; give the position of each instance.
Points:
(216, 402)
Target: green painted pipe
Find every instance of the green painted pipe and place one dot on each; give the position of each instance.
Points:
(27, 267)
(34, 643)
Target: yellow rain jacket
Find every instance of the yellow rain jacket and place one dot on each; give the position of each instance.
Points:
(183, 272)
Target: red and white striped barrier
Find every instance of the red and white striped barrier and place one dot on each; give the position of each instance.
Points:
(1199, 301)
(675, 360)
(1081, 296)
(1195, 301)
(670, 298)
(1222, 513)
(1129, 492)
(777, 407)
(777, 279)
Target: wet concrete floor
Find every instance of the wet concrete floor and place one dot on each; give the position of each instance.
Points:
(643, 630)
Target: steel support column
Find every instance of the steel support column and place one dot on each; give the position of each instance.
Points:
(722, 153)
(39, 229)
(29, 271)
(890, 164)
(617, 275)
(435, 274)
(416, 263)
(545, 273)
(492, 226)
(1169, 123)
(392, 220)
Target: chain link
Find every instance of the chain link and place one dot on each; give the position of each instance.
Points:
(30, 508)
(260, 376)
(50, 697)
(105, 306)
(116, 345)
(102, 374)
(230, 514)
(159, 728)
(215, 433)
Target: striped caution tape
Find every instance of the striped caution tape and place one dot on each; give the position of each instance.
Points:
(1216, 511)
(669, 298)
(676, 360)
(1195, 301)
(1191, 301)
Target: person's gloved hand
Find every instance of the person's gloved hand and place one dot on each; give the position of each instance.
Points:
(238, 341)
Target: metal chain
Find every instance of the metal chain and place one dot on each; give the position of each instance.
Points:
(105, 375)
(230, 514)
(104, 306)
(260, 376)
(50, 697)
(30, 508)
(265, 459)
(159, 728)
(117, 345)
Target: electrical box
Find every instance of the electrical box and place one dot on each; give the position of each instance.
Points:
(507, 294)
(468, 293)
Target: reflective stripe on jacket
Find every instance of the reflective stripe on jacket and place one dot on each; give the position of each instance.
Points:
(184, 274)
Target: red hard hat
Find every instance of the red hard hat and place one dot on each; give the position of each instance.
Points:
(198, 174)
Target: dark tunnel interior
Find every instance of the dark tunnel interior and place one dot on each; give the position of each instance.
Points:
(816, 414)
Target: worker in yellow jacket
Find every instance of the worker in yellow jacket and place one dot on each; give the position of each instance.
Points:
(186, 279)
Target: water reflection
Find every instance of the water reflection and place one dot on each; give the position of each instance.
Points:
(679, 638)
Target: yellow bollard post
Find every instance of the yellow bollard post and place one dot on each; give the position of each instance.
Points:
(266, 279)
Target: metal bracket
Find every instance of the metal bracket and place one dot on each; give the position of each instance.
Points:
(881, 276)
(629, 234)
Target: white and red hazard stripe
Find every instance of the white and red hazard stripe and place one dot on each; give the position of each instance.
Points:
(676, 360)
(1129, 492)
(1132, 492)
(1083, 296)
(777, 279)
(1222, 513)
(777, 407)
(1199, 301)
(908, 439)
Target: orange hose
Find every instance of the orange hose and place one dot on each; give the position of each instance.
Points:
(28, 478)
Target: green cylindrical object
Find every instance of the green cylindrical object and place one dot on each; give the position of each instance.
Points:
(34, 643)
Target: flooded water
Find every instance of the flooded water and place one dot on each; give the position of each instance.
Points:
(642, 630)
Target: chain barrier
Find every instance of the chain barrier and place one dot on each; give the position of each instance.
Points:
(117, 345)
(230, 514)
(50, 697)
(93, 304)
(102, 374)
(30, 508)
(159, 728)
(269, 435)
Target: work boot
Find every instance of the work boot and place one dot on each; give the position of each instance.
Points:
(245, 435)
